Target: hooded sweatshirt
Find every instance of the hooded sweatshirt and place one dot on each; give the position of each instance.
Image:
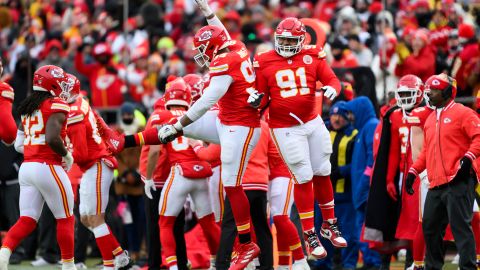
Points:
(362, 160)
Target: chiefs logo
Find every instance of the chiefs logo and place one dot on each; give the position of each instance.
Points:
(447, 120)
(436, 82)
(307, 59)
(197, 168)
(205, 35)
(57, 73)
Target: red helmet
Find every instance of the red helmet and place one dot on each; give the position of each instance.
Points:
(52, 79)
(75, 92)
(177, 92)
(442, 82)
(208, 40)
(101, 49)
(196, 84)
(409, 93)
(289, 28)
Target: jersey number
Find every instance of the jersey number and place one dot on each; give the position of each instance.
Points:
(93, 122)
(180, 144)
(287, 82)
(34, 126)
(404, 134)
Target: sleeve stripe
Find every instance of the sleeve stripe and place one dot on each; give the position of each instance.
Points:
(155, 117)
(470, 155)
(8, 94)
(59, 106)
(219, 68)
(75, 119)
(412, 170)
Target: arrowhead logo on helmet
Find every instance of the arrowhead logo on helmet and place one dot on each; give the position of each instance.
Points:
(205, 36)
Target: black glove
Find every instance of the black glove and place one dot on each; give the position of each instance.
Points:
(409, 183)
(465, 167)
(255, 99)
(111, 69)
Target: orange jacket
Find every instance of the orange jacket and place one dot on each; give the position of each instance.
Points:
(449, 136)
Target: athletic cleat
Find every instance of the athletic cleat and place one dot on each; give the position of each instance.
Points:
(314, 246)
(331, 232)
(301, 265)
(123, 261)
(113, 139)
(246, 254)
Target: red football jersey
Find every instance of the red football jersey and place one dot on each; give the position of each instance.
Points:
(36, 148)
(8, 128)
(290, 84)
(178, 150)
(88, 148)
(162, 168)
(234, 109)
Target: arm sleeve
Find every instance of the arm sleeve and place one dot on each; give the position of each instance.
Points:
(326, 76)
(8, 127)
(217, 88)
(216, 22)
(209, 153)
(19, 141)
(471, 126)
(78, 135)
(393, 155)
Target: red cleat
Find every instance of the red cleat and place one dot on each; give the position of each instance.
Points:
(245, 254)
(314, 245)
(114, 140)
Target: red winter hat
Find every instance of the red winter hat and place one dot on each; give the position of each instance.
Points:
(466, 31)
(441, 82)
(375, 7)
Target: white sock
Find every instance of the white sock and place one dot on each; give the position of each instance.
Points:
(5, 254)
(173, 267)
(304, 260)
(101, 230)
(108, 268)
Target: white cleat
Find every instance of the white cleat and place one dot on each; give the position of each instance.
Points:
(123, 261)
(301, 265)
(3, 265)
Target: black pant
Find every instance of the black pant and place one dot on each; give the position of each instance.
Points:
(153, 235)
(450, 203)
(9, 197)
(258, 212)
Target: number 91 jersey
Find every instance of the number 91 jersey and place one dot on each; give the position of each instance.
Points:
(234, 109)
(81, 113)
(36, 148)
(290, 83)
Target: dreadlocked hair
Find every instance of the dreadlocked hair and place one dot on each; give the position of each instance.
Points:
(32, 102)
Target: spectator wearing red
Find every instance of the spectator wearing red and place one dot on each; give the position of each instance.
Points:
(422, 60)
(342, 57)
(439, 30)
(466, 35)
(106, 86)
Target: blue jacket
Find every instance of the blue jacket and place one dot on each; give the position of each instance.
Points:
(365, 121)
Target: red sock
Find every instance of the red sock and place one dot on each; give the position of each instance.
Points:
(241, 212)
(322, 187)
(282, 244)
(24, 226)
(147, 137)
(104, 239)
(288, 234)
(167, 239)
(303, 196)
(419, 246)
(211, 232)
(114, 245)
(65, 233)
(476, 230)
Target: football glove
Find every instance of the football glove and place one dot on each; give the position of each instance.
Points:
(149, 185)
(167, 133)
(329, 92)
(67, 161)
(204, 7)
(465, 167)
(409, 183)
(255, 98)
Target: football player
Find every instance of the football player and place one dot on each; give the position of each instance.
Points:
(235, 126)
(97, 165)
(188, 176)
(42, 175)
(8, 128)
(287, 76)
(409, 96)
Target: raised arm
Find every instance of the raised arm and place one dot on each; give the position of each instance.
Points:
(212, 19)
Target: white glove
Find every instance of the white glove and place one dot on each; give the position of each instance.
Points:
(329, 92)
(67, 161)
(255, 98)
(204, 7)
(149, 185)
(167, 134)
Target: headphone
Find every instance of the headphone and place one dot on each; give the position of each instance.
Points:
(447, 93)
